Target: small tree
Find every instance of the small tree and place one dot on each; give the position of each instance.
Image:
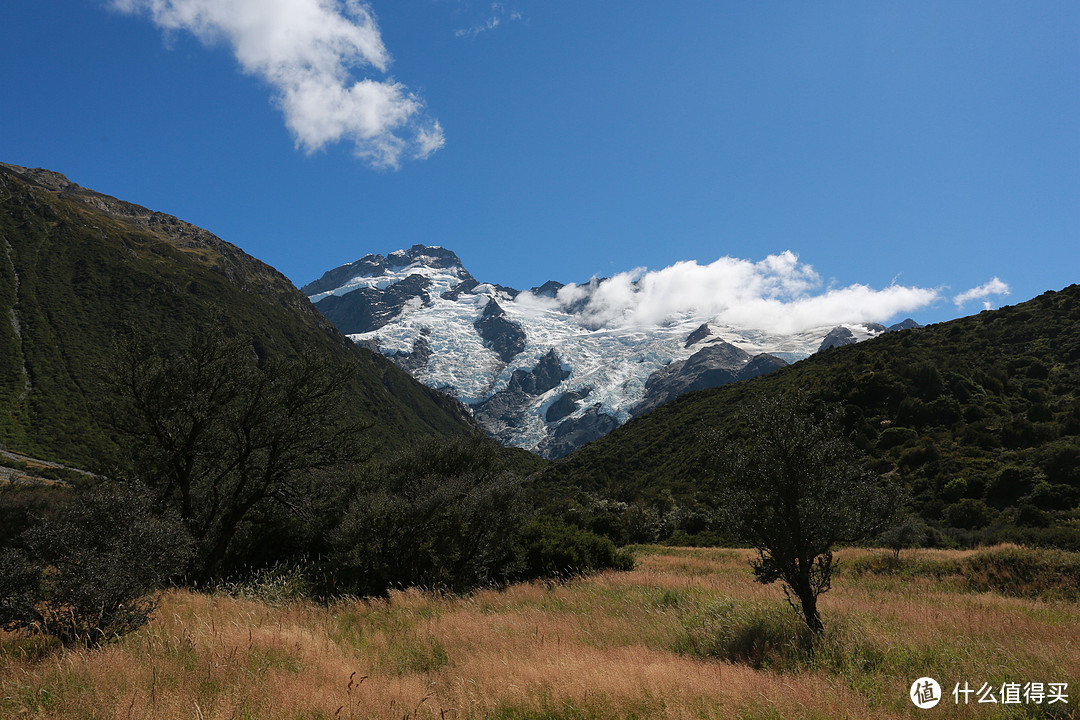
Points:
(793, 490)
(909, 532)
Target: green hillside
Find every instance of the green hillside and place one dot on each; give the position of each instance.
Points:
(979, 417)
(78, 268)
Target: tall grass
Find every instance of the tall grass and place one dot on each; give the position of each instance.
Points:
(687, 634)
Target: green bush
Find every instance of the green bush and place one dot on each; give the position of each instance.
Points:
(443, 516)
(895, 437)
(552, 548)
(968, 514)
(84, 574)
(772, 636)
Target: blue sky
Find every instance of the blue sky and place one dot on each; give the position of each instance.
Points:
(925, 144)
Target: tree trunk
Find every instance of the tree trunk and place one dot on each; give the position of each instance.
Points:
(810, 611)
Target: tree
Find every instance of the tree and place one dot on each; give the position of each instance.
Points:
(793, 489)
(217, 433)
(909, 532)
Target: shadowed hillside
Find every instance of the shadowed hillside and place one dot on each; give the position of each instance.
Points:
(78, 269)
(978, 417)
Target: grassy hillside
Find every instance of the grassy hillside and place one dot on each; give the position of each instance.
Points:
(687, 634)
(78, 268)
(979, 417)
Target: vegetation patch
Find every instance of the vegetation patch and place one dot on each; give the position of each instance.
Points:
(1044, 573)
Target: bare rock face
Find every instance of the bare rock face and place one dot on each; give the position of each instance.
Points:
(500, 334)
(837, 336)
(504, 411)
(368, 309)
(718, 363)
(571, 434)
(698, 335)
(412, 361)
(906, 324)
(566, 404)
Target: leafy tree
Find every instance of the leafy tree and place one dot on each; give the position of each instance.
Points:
(218, 434)
(793, 490)
(909, 532)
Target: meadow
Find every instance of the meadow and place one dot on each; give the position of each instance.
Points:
(686, 634)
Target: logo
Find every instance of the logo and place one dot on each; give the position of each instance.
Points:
(925, 693)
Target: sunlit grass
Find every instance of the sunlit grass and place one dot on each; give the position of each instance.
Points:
(687, 634)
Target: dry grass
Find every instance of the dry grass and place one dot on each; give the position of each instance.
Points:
(609, 646)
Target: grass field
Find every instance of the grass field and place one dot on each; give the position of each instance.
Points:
(687, 634)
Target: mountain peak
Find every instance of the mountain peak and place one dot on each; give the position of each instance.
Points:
(373, 265)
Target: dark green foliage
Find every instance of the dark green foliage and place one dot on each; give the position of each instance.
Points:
(218, 436)
(444, 515)
(552, 548)
(793, 487)
(449, 515)
(909, 532)
(84, 573)
(761, 636)
(990, 398)
(968, 514)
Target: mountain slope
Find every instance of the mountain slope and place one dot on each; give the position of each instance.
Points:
(78, 267)
(423, 309)
(979, 417)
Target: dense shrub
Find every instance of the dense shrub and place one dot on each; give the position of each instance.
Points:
(551, 547)
(445, 515)
(84, 573)
(968, 514)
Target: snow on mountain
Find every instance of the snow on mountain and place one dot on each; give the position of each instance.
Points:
(537, 370)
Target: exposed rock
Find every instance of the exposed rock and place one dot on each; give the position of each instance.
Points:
(838, 336)
(504, 411)
(547, 374)
(907, 324)
(565, 404)
(503, 336)
(465, 286)
(372, 265)
(412, 361)
(571, 434)
(876, 327)
(549, 289)
(698, 335)
(367, 309)
(718, 363)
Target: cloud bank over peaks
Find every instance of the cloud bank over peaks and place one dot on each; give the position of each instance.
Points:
(983, 292)
(309, 52)
(777, 295)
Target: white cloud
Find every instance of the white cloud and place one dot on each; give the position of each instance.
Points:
(309, 51)
(498, 15)
(992, 287)
(778, 294)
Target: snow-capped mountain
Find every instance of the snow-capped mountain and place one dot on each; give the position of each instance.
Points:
(537, 369)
